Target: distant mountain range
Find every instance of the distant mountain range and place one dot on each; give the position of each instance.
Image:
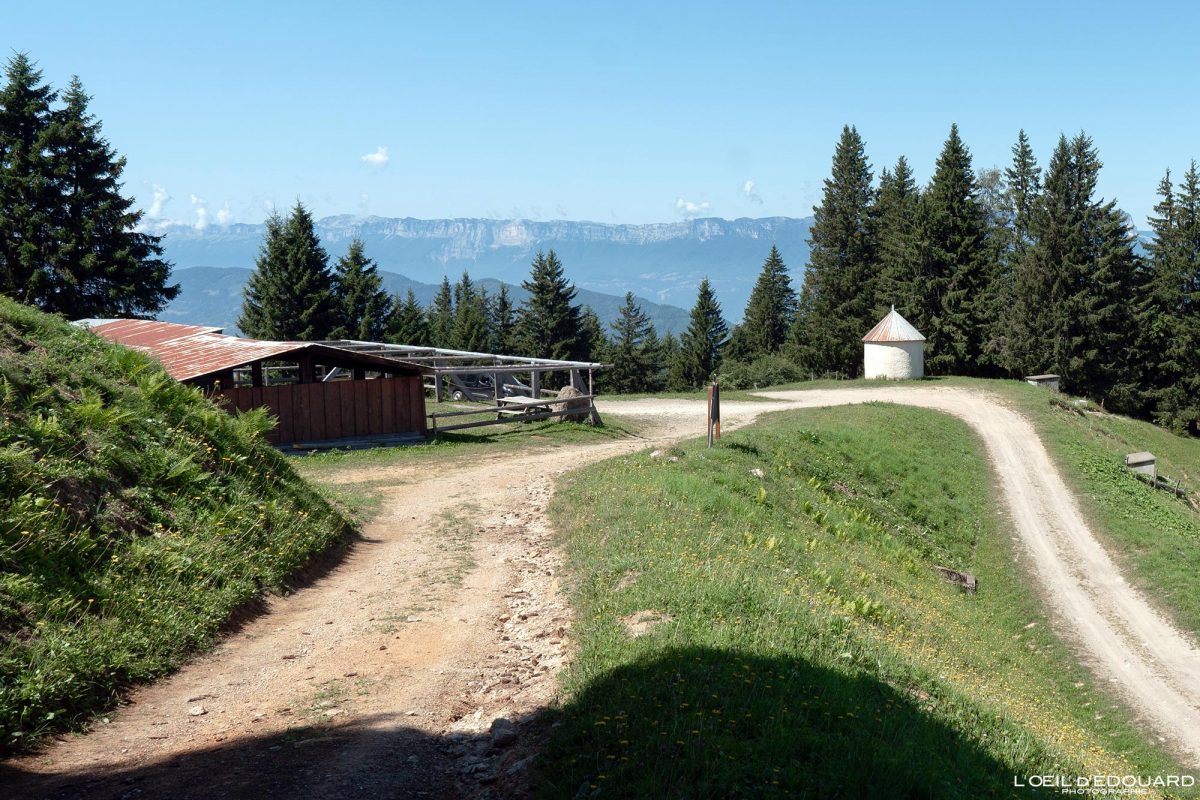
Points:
(661, 263)
(213, 296)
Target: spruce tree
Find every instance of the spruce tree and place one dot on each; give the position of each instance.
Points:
(290, 295)
(363, 308)
(550, 321)
(68, 238)
(634, 349)
(503, 323)
(836, 300)
(995, 301)
(1174, 319)
(901, 247)
(700, 345)
(594, 343)
(28, 191)
(470, 327)
(1021, 330)
(770, 312)
(441, 316)
(1077, 280)
(668, 354)
(951, 314)
(407, 324)
(1023, 182)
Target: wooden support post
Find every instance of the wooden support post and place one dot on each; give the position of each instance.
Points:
(360, 374)
(535, 383)
(307, 374)
(497, 388)
(592, 402)
(256, 374)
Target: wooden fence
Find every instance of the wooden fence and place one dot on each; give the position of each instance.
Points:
(312, 412)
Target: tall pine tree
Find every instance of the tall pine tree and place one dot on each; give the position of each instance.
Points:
(594, 344)
(956, 277)
(441, 316)
(470, 328)
(1017, 332)
(503, 323)
(550, 321)
(634, 349)
(363, 308)
(700, 345)
(408, 324)
(68, 238)
(901, 246)
(1174, 321)
(769, 314)
(290, 294)
(1077, 278)
(838, 293)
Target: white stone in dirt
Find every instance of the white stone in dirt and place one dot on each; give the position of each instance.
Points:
(197, 711)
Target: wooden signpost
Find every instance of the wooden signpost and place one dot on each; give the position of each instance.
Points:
(714, 413)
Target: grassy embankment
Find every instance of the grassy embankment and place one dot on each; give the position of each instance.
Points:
(1153, 535)
(804, 645)
(135, 518)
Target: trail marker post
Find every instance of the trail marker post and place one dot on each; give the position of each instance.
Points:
(714, 412)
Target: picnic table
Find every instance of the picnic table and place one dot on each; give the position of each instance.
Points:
(521, 406)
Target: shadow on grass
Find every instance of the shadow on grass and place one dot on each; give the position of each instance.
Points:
(690, 723)
(703, 723)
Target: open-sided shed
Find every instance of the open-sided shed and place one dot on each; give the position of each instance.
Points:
(317, 392)
(496, 379)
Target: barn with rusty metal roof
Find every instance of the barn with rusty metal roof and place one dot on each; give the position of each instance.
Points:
(318, 393)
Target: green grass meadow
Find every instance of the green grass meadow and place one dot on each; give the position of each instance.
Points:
(800, 643)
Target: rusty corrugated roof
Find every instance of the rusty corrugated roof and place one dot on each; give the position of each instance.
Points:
(144, 333)
(893, 328)
(192, 351)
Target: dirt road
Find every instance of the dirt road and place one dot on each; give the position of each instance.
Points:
(384, 677)
(1149, 661)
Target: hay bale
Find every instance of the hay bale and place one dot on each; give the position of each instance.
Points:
(581, 408)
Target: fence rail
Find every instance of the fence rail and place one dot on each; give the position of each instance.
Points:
(512, 413)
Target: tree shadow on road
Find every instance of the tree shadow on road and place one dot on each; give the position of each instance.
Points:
(705, 723)
(685, 723)
(378, 756)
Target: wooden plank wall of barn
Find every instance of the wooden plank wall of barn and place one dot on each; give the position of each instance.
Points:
(312, 412)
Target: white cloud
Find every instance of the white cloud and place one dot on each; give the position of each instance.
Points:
(224, 215)
(161, 198)
(377, 160)
(201, 208)
(689, 209)
(750, 193)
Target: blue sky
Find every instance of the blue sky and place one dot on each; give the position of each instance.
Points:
(613, 112)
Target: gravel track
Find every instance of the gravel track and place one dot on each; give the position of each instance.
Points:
(383, 678)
